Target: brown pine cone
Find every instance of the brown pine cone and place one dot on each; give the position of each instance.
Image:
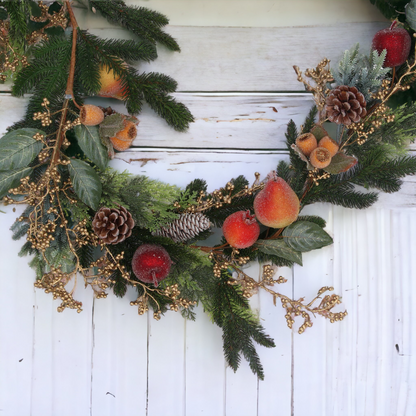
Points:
(108, 111)
(345, 105)
(112, 225)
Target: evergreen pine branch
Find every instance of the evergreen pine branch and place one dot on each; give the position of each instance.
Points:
(231, 312)
(155, 88)
(310, 120)
(18, 11)
(127, 50)
(141, 21)
(312, 218)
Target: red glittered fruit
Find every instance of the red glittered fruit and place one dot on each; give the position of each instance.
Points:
(241, 229)
(397, 43)
(276, 205)
(151, 263)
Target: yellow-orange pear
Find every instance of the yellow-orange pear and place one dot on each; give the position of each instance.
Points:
(276, 205)
(111, 85)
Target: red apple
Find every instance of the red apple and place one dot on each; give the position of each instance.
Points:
(241, 229)
(396, 41)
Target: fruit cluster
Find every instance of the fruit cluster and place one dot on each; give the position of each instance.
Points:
(319, 153)
(275, 206)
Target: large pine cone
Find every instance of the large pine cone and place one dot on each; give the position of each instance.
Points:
(345, 105)
(113, 225)
(185, 227)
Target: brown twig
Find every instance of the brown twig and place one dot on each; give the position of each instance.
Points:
(70, 84)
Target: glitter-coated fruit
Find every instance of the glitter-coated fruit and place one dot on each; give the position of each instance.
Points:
(329, 144)
(306, 143)
(124, 138)
(241, 229)
(91, 115)
(111, 85)
(276, 205)
(320, 158)
(151, 263)
(397, 43)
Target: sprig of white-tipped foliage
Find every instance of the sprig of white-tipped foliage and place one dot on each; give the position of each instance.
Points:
(363, 72)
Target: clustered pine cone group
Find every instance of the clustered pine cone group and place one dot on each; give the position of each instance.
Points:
(345, 105)
(113, 225)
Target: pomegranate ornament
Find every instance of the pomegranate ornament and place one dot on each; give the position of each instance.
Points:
(396, 41)
(151, 263)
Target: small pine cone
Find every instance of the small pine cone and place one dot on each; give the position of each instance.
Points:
(108, 111)
(185, 227)
(113, 225)
(345, 105)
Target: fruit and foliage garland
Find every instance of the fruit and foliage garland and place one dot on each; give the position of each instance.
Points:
(118, 230)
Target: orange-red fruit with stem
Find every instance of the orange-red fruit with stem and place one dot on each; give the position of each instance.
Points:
(276, 205)
(306, 143)
(320, 158)
(124, 138)
(91, 115)
(111, 85)
(241, 229)
(329, 144)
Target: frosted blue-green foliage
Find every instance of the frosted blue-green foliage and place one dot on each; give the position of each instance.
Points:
(363, 72)
(411, 14)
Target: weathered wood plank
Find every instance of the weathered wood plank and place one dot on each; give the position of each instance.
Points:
(246, 13)
(250, 59)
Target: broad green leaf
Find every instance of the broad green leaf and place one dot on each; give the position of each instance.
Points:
(90, 143)
(11, 179)
(280, 249)
(318, 131)
(411, 14)
(112, 125)
(3, 14)
(18, 148)
(306, 236)
(86, 182)
(341, 163)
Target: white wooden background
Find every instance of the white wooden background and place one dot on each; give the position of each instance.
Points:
(234, 71)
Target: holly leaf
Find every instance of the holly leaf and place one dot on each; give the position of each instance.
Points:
(18, 148)
(86, 182)
(306, 236)
(11, 179)
(89, 141)
(341, 163)
(279, 248)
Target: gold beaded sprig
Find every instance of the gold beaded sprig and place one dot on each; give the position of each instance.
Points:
(320, 77)
(294, 308)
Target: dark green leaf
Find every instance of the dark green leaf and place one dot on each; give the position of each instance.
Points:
(306, 236)
(86, 182)
(11, 179)
(18, 148)
(3, 14)
(319, 132)
(54, 7)
(90, 143)
(280, 249)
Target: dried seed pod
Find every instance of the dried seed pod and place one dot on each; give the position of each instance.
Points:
(91, 115)
(124, 138)
(306, 143)
(320, 158)
(329, 144)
